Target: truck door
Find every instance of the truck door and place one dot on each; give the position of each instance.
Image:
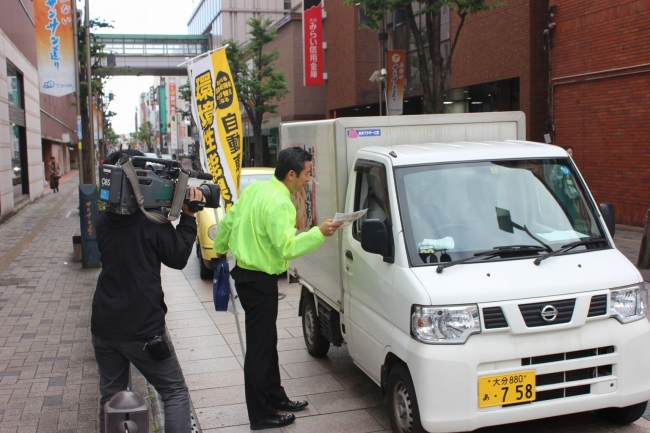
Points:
(368, 277)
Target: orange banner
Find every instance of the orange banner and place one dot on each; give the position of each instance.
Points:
(55, 46)
(395, 81)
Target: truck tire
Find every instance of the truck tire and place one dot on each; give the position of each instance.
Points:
(403, 407)
(317, 344)
(623, 415)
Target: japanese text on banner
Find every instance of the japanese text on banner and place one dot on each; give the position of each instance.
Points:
(216, 109)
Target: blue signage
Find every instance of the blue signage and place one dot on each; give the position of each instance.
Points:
(356, 133)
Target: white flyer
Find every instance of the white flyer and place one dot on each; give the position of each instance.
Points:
(349, 218)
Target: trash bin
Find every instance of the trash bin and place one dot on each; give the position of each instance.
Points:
(126, 412)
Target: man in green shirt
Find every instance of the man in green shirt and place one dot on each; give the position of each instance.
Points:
(260, 230)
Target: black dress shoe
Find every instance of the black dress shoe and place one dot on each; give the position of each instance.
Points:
(275, 421)
(291, 406)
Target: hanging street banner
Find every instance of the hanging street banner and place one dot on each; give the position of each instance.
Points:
(312, 42)
(172, 114)
(396, 65)
(215, 108)
(54, 46)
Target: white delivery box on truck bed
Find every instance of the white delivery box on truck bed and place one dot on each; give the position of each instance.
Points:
(482, 286)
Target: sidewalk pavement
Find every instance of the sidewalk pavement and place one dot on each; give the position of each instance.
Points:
(48, 375)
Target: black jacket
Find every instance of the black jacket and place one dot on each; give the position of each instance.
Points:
(129, 301)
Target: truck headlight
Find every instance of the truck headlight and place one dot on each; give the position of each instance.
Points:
(212, 232)
(444, 325)
(628, 304)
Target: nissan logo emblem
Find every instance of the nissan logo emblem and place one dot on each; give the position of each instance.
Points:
(548, 313)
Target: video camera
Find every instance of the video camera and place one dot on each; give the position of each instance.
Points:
(157, 182)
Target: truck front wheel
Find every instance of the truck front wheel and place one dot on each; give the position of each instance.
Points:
(623, 415)
(317, 344)
(402, 403)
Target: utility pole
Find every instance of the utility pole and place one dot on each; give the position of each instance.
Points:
(89, 77)
(78, 90)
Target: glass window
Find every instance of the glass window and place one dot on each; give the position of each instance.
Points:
(444, 23)
(452, 211)
(371, 193)
(246, 180)
(15, 86)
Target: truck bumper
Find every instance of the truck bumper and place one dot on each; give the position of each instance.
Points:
(612, 355)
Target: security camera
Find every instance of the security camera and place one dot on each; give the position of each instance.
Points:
(378, 76)
(383, 72)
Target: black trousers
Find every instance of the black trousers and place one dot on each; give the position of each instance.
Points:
(259, 297)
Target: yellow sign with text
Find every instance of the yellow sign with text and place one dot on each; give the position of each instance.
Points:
(216, 110)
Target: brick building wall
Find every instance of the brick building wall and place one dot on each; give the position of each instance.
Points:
(351, 57)
(504, 43)
(601, 98)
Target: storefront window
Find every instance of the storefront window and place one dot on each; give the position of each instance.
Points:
(17, 132)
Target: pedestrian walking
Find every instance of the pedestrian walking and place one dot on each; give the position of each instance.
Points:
(128, 309)
(260, 231)
(55, 174)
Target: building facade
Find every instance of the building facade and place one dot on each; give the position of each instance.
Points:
(600, 90)
(33, 126)
(492, 69)
(226, 19)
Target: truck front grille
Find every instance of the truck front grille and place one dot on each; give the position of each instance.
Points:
(598, 306)
(493, 318)
(573, 375)
(557, 357)
(532, 313)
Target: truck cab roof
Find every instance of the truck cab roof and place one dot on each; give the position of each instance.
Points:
(427, 153)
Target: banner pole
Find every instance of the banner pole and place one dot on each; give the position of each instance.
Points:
(189, 61)
(235, 312)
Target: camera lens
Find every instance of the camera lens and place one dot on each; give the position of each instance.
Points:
(211, 192)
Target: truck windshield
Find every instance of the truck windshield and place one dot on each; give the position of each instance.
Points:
(453, 211)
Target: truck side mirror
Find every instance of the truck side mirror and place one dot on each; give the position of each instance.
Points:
(607, 211)
(374, 237)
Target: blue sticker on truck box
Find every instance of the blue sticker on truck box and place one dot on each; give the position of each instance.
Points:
(104, 194)
(356, 133)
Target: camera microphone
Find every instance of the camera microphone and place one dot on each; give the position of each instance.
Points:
(198, 174)
(204, 176)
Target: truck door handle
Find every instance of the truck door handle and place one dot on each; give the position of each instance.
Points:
(348, 254)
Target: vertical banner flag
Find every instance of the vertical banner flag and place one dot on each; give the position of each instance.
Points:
(54, 46)
(172, 114)
(95, 121)
(215, 108)
(312, 42)
(396, 61)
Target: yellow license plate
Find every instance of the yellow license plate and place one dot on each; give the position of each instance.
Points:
(506, 389)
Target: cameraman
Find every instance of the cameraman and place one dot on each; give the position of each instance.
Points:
(128, 309)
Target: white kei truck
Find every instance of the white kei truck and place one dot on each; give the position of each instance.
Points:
(482, 285)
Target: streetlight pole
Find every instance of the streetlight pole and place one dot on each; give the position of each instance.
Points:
(78, 90)
(89, 77)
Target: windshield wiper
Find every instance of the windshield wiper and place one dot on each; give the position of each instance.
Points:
(493, 252)
(567, 247)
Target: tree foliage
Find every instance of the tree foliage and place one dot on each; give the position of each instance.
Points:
(427, 37)
(257, 82)
(145, 135)
(99, 74)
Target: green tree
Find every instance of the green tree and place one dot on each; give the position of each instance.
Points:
(257, 83)
(145, 135)
(99, 76)
(112, 136)
(430, 62)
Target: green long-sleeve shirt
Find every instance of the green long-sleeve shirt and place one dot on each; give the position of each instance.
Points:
(260, 230)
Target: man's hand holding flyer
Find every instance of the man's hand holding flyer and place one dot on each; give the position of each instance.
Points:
(349, 218)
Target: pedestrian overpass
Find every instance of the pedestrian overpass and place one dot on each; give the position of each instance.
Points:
(157, 55)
